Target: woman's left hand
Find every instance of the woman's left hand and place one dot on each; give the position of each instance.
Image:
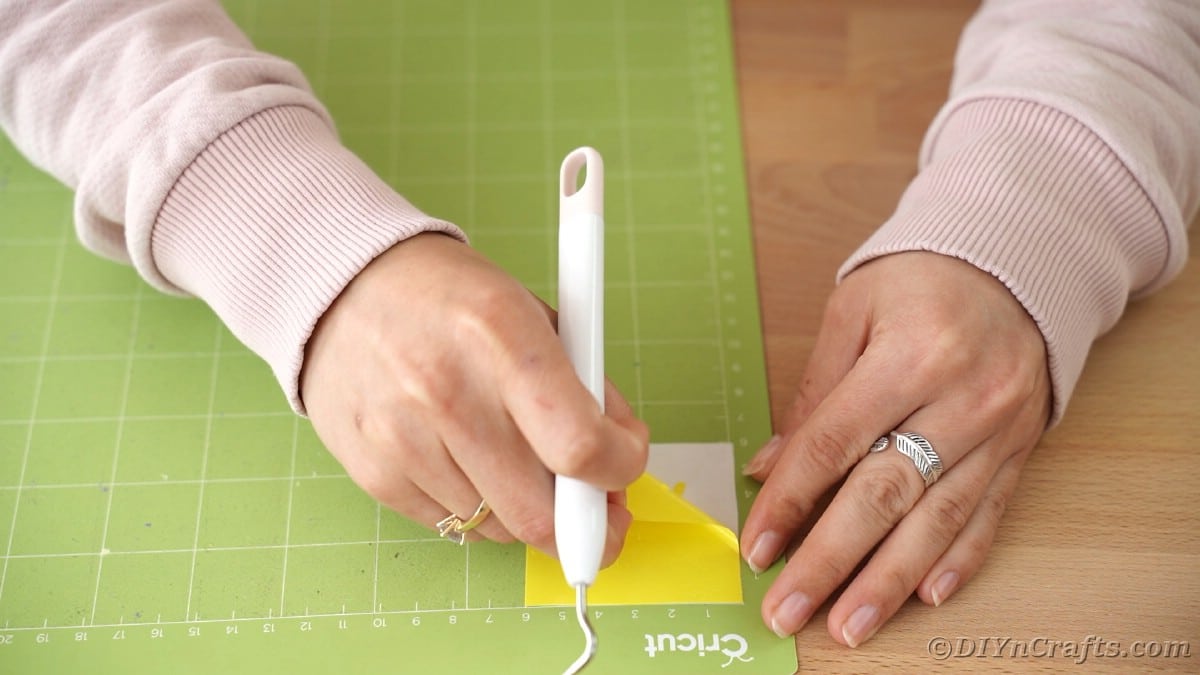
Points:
(913, 342)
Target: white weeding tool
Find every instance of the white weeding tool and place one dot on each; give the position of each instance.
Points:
(580, 509)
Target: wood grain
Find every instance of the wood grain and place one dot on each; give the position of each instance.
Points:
(1103, 536)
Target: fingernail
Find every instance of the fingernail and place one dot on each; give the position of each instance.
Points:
(861, 625)
(943, 587)
(759, 462)
(764, 551)
(791, 615)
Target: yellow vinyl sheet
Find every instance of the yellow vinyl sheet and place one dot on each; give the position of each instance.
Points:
(674, 553)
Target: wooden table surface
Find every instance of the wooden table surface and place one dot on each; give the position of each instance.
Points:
(1103, 535)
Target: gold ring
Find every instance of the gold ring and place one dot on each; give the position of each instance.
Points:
(454, 528)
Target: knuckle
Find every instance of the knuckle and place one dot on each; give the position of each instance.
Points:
(380, 485)
(1007, 391)
(375, 461)
(582, 451)
(885, 495)
(807, 399)
(995, 400)
(789, 506)
(382, 435)
(641, 434)
(950, 511)
(977, 541)
(942, 352)
(898, 576)
(826, 449)
(992, 507)
(1010, 388)
(430, 382)
(483, 318)
(830, 570)
(536, 530)
(939, 318)
(977, 545)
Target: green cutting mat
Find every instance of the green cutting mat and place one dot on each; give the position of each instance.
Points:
(162, 510)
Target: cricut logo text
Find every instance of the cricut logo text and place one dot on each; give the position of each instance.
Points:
(732, 645)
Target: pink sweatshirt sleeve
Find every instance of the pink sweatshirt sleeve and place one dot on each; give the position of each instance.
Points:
(1066, 163)
(207, 164)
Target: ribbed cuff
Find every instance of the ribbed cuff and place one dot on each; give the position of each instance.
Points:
(270, 223)
(1035, 198)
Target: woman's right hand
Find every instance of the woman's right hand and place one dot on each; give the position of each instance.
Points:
(438, 380)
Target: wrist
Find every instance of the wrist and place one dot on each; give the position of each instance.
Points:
(1034, 198)
(270, 223)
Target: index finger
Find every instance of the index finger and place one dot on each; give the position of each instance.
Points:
(876, 394)
(562, 421)
(841, 340)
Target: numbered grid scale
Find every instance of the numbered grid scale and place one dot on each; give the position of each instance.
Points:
(159, 505)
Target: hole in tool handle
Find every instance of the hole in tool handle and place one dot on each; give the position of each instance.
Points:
(574, 198)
